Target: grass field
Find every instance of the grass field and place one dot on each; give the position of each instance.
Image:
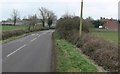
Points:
(111, 36)
(70, 59)
(12, 27)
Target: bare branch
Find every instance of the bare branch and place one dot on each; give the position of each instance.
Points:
(15, 16)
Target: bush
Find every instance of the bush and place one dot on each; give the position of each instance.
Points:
(103, 52)
(11, 33)
(7, 34)
(100, 51)
(68, 27)
(83, 39)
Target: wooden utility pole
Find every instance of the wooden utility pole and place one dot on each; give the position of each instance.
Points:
(81, 18)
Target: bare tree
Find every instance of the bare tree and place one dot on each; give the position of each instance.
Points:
(43, 14)
(47, 16)
(15, 16)
(32, 21)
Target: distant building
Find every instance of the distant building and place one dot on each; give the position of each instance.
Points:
(11, 23)
(25, 22)
(111, 25)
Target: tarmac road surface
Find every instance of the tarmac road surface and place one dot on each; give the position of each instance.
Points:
(28, 54)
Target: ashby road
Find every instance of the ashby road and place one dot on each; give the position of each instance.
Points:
(32, 53)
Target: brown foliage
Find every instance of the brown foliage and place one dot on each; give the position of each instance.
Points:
(7, 34)
(68, 27)
(11, 33)
(103, 52)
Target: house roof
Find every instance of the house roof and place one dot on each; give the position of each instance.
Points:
(111, 24)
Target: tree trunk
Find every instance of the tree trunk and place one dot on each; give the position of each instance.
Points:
(43, 24)
(49, 26)
(29, 27)
(14, 22)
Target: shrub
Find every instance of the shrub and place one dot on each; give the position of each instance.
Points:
(83, 39)
(103, 52)
(68, 27)
(7, 34)
(11, 33)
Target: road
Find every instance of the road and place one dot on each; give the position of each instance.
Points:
(28, 54)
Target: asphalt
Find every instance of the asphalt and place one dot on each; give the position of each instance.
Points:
(28, 54)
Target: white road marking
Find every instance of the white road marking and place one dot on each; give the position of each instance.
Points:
(39, 35)
(16, 50)
(45, 33)
(33, 39)
(32, 34)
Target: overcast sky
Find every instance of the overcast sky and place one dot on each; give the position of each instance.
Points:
(93, 8)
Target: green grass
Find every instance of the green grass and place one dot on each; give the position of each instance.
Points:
(0, 27)
(70, 59)
(12, 27)
(111, 36)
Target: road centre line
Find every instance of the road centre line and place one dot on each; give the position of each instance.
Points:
(39, 35)
(42, 34)
(16, 50)
(33, 39)
(25, 44)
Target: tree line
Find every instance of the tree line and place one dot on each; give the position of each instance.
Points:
(44, 16)
(47, 16)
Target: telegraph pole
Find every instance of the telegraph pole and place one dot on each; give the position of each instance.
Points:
(81, 18)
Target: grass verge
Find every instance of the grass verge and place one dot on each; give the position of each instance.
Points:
(70, 59)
